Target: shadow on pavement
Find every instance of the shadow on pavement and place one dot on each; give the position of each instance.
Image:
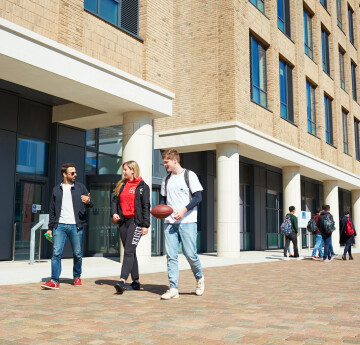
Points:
(155, 289)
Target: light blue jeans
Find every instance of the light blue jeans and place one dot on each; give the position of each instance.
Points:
(186, 234)
(318, 245)
(60, 234)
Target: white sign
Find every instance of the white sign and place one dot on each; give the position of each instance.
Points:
(303, 219)
(36, 208)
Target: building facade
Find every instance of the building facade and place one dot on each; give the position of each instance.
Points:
(259, 96)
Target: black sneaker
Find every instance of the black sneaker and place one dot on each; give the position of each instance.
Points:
(344, 257)
(351, 258)
(120, 287)
(134, 286)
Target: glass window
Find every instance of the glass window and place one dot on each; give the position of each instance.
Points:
(325, 51)
(342, 68)
(324, 3)
(328, 121)
(259, 4)
(308, 34)
(258, 73)
(109, 164)
(311, 115)
(357, 148)
(110, 140)
(338, 13)
(353, 81)
(91, 137)
(122, 13)
(283, 7)
(32, 157)
(351, 24)
(345, 132)
(286, 92)
(90, 163)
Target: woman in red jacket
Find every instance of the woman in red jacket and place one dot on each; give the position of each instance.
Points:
(130, 208)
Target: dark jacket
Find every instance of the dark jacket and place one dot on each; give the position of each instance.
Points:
(343, 237)
(294, 222)
(321, 222)
(317, 221)
(80, 209)
(142, 205)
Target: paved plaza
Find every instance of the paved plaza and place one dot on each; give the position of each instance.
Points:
(273, 302)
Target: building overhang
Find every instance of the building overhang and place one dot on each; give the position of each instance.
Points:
(255, 145)
(36, 62)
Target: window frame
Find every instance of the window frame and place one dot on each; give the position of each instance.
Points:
(356, 133)
(325, 52)
(324, 3)
(353, 80)
(256, 4)
(342, 68)
(286, 20)
(261, 91)
(351, 25)
(345, 130)
(339, 13)
(329, 132)
(311, 108)
(307, 18)
(288, 85)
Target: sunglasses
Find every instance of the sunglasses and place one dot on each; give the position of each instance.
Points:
(72, 173)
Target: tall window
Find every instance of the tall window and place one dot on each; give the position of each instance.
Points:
(351, 24)
(286, 91)
(357, 148)
(258, 73)
(324, 3)
(325, 51)
(308, 34)
(122, 13)
(259, 4)
(328, 121)
(311, 114)
(283, 7)
(339, 13)
(345, 131)
(353, 80)
(342, 68)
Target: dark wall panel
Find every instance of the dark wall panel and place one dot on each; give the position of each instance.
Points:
(70, 135)
(8, 111)
(34, 119)
(7, 187)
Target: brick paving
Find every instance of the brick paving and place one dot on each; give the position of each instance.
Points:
(282, 302)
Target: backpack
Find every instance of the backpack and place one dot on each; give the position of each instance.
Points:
(186, 177)
(349, 230)
(285, 227)
(311, 226)
(329, 224)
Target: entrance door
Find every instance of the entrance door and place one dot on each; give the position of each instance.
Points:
(103, 236)
(157, 226)
(29, 203)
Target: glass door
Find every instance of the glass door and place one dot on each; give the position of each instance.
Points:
(157, 226)
(29, 203)
(274, 216)
(103, 236)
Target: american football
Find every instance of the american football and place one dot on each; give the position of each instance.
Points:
(161, 211)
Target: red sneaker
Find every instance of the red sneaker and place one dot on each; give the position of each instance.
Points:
(77, 282)
(50, 285)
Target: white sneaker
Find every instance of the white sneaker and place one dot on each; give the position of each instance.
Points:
(200, 286)
(300, 258)
(286, 258)
(171, 293)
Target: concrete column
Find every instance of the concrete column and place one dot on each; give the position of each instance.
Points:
(331, 197)
(228, 200)
(292, 194)
(355, 199)
(138, 146)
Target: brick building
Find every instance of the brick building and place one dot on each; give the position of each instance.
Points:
(259, 96)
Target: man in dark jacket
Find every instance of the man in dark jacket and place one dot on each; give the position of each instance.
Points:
(346, 238)
(327, 226)
(318, 238)
(293, 235)
(67, 217)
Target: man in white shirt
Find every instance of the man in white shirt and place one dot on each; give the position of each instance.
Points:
(67, 217)
(181, 190)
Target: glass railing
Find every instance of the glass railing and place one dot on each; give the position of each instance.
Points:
(21, 241)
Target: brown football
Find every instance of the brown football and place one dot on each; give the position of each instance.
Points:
(161, 211)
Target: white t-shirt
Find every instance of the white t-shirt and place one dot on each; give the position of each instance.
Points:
(178, 195)
(67, 209)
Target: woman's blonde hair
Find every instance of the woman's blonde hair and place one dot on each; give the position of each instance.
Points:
(132, 165)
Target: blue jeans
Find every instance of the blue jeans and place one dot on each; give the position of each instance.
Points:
(327, 241)
(318, 245)
(186, 234)
(60, 234)
(331, 249)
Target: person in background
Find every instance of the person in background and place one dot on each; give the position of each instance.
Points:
(347, 226)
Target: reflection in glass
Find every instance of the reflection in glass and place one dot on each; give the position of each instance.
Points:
(32, 157)
(109, 165)
(109, 10)
(91, 137)
(90, 163)
(110, 140)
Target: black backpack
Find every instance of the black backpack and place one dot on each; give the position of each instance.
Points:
(311, 226)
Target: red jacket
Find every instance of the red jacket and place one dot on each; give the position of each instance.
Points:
(127, 198)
